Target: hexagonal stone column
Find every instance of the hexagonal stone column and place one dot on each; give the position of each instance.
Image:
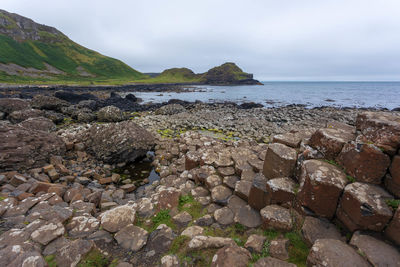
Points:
(280, 161)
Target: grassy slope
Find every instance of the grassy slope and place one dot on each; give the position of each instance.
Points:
(175, 75)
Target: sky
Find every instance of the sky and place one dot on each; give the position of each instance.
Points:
(349, 40)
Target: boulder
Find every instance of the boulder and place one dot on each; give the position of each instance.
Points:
(39, 124)
(159, 242)
(82, 226)
(383, 129)
(204, 242)
(224, 216)
(242, 189)
(280, 161)
(255, 243)
(72, 252)
(131, 237)
(231, 256)
(269, 261)
(220, 194)
(170, 261)
(192, 160)
(393, 183)
(192, 231)
(377, 252)
(113, 220)
(276, 218)
(118, 142)
(48, 102)
(330, 141)
(9, 105)
(316, 228)
(280, 190)
(48, 232)
(288, 139)
(363, 207)
(182, 219)
(279, 248)
(321, 186)
(365, 162)
(258, 195)
(21, 115)
(22, 148)
(248, 217)
(392, 231)
(110, 114)
(73, 97)
(332, 253)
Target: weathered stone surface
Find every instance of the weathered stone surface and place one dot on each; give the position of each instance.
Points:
(110, 114)
(363, 207)
(170, 109)
(39, 124)
(113, 220)
(192, 160)
(192, 231)
(212, 181)
(204, 242)
(316, 228)
(392, 231)
(230, 181)
(48, 102)
(226, 171)
(377, 252)
(242, 189)
(231, 256)
(220, 194)
(280, 161)
(321, 186)
(255, 243)
(258, 195)
(280, 190)
(289, 139)
(22, 148)
(248, 217)
(21, 115)
(118, 142)
(277, 218)
(72, 252)
(330, 141)
(272, 262)
(279, 248)
(9, 105)
(170, 261)
(144, 207)
(235, 203)
(206, 220)
(381, 128)
(182, 219)
(159, 242)
(168, 199)
(48, 232)
(224, 216)
(365, 162)
(331, 252)
(81, 226)
(131, 237)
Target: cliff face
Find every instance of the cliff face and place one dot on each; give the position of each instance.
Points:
(228, 73)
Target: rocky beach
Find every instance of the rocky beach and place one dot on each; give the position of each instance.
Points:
(95, 179)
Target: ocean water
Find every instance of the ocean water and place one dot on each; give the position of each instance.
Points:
(311, 94)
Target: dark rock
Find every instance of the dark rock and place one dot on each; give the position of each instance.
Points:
(280, 161)
(316, 228)
(8, 105)
(74, 98)
(48, 102)
(21, 115)
(39, 124)
(231, 256)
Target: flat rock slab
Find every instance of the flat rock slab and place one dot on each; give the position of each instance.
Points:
(258, 195)
(316, 228)
(220, 194)
(224, 216)
(277, 218)
(204, 242)
(376, 251)
(248, 217)
(131, 237)
(231, 256)
(289, 139)
(280, 161)
(333, 253)
(81, 226)
(48, 232)
(280, 190)
(255, 243)
(330, 141)
(115, 219)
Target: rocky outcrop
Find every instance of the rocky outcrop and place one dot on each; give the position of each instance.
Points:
(110, 114)
(228, 73)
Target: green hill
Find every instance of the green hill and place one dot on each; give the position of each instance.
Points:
(35, 53)
(175, 75)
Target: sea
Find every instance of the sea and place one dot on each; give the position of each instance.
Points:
(379, 95)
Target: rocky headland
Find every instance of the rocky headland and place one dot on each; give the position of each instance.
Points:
(94, 179)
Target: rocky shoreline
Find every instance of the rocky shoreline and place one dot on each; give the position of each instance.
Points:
(233, 186)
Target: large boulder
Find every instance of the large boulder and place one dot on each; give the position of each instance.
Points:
(8, 105)
(280, 161)
(39, 124)
(110, 114)
(392, 231)
(22, 148)
(231, 256)
(321, 186)
(115, 219)
(365, 162)
(48, 102)
(21, 115)
(276, 218)
(316, 228)
(332, 253)
(363, 207)
(330, 141)
(118, 142)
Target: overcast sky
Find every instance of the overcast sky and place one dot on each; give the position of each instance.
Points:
(275, 40)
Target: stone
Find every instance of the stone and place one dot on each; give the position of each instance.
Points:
(182, 219)
(235, 203)
(381, 128)
(170, 109)
(199, 192)
(124, 264)
(363, 207)
(392, 230)
(365, 162)
(377, 252)
(204, 242)
(192, 160)
(72, 253)
(224, 216)
(321, 186)
(113, 220)
(275, 217)
(205, 220)
(39, 124)
(110, 114)
(168, 199)
(107, 180)
(9, 105)
(226, 171)
(159, 242)
(48, 232)
(247, 175)
(230, 181)
(193, 231)
(280, 161)
(332, 252)
(272, 262)
(258, 195)
(242, 189)
(248, 217)
(17, 180)
(289, 139)
(82, 226)
(118, 142)
(280, 190)
(231, 256)
(395, 174)
(104, 206)
(145, 207)
(48, 102)
(220, 194)
(330, 141)
(102, 236)
(170, 261)
(131, 237)
(279, 248)
(317, 228)
(255, 243)
(128, 188)
(22, 149)
(212, 181)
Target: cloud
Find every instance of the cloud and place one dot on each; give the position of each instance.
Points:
(287, 39)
